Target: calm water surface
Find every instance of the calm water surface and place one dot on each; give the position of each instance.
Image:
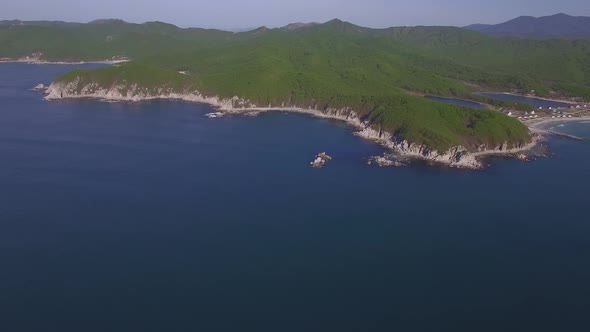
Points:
(152, 217)
(527, 100)
(577, 128)
(458, 102)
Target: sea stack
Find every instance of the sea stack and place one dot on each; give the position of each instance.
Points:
(320, 160)
(40, 87)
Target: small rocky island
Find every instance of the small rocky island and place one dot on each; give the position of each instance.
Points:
(214, 115)
(320, 160)
(40, 87)
(384, 161)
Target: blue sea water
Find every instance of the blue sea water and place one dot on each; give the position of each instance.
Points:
(527, 100)
(458, 102)
(579, 129)
(152, 217)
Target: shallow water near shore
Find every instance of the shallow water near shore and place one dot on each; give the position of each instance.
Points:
(576, 128)
(152, 217)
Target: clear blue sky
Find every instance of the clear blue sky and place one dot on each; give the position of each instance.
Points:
(273, 13)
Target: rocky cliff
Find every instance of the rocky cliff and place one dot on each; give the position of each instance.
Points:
(457, 156)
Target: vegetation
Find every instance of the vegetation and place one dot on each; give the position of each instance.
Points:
(332, 65)
(100, 40)
(431, 60)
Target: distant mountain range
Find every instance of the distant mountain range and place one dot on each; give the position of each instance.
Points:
(546, 27)
(299, 25)
(555, 26)
(13, 23)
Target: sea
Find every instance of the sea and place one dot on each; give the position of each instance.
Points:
(152, 217)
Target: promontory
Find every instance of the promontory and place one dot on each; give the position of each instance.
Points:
(375, 79)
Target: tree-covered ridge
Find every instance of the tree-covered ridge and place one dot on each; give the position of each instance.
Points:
(408, 117)
(432, 60)
(100, 40)
(336, 65)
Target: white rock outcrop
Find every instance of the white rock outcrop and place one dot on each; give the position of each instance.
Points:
(40, 87)
(384, 161)
(320, 160)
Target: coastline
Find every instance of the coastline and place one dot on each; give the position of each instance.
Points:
(540, 123)
(44, 62)
(457, 156)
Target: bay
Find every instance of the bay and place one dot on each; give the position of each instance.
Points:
(152, 217)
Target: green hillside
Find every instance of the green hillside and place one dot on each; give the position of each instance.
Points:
(101, 40)
(331, 65)
(432, 60)
(415, 119)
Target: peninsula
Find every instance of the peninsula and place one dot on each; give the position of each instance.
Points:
(374, 79)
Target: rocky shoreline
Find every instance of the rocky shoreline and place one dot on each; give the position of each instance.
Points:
(458, 156)
(35, 61)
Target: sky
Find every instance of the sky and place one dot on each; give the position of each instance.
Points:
(241, 14)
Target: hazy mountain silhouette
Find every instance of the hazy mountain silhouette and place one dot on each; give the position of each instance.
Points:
(555, 26)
